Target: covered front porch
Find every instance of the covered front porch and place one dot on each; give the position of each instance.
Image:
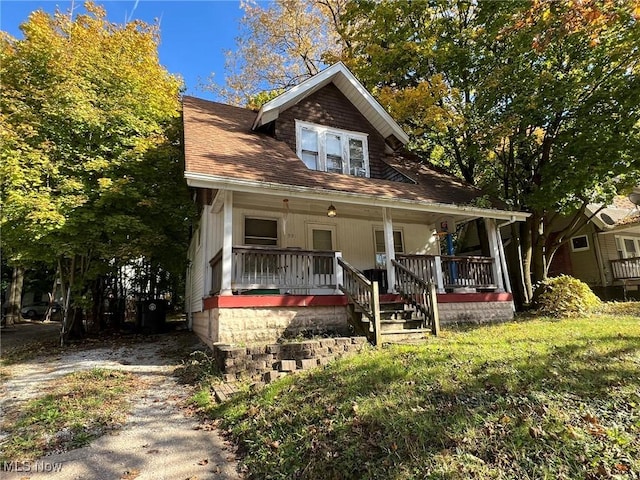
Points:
(291, 245)
(272, 257)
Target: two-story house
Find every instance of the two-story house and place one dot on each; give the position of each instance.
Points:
(313, 217)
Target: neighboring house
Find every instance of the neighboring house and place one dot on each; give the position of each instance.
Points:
(605, 253)
(306, 199)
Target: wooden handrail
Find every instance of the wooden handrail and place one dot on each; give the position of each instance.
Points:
(363, 293)
(415, 278)
(217, 258)
(451, 271)
(419, 294)
(278, 251)
(473, 271)
(469, 258)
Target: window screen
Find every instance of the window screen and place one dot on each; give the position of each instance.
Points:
(259, 231)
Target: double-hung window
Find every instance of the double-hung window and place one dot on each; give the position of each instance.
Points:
(332, 150)
(628, 247)
(381, 253)
(260, 266)
(260, 231)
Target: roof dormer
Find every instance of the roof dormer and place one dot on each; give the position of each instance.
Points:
(352, 89)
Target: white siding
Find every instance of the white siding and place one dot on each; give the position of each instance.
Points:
(195, 280)
(354, 237)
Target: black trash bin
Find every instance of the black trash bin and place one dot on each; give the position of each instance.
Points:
(377, 275)
(151, 315)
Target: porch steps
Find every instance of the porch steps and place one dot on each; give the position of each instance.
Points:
(398, 323)
(405, 336)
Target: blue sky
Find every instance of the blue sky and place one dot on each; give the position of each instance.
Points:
(194, 34)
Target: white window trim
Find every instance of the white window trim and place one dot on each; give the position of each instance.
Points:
(345, 136)
(622, 248)
(321, 226)
(579, 249)
(376, 252)
(255, 217)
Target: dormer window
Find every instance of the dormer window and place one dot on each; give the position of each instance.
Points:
(332, 150)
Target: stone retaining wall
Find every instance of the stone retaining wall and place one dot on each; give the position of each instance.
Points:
(267, 362)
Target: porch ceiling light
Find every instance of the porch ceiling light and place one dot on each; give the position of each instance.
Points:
(331, 211)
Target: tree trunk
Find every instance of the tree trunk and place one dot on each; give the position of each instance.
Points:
(67, 319)
(52, 298)
(514, 258)
(526, 259)
(538, 240)
(15, 296)
(77, 329)
(97, 321)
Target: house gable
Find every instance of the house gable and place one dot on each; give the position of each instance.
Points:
(344, 80)
(329, 107)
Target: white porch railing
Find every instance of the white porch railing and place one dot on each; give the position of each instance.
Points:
(448, 272)
(301, 271)
(269, 268)
(626, 268)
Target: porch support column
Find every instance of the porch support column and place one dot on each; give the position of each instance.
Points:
(503, 263)
(389, 248)
(494, 240)
(439, 276)
(339, 273)
(227, 243)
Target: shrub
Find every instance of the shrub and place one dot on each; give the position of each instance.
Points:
(565, 296)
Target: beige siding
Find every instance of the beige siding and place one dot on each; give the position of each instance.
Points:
(354, 237)
(205, 325)
(195, 283)
(585, 263)
(609, 252)
(608, 247)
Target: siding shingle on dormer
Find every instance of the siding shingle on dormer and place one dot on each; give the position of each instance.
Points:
(329, 107)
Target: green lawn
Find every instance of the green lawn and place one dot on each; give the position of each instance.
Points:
(533, 399)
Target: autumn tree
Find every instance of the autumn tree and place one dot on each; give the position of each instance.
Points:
(536, 101)
(90, 150)
(280, 44)
(564, 114)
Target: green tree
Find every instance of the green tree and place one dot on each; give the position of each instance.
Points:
(90, 150)
(535, 101)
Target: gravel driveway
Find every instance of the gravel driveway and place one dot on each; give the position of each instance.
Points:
(158, 440)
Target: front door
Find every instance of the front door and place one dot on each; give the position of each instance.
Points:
(321, 238)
